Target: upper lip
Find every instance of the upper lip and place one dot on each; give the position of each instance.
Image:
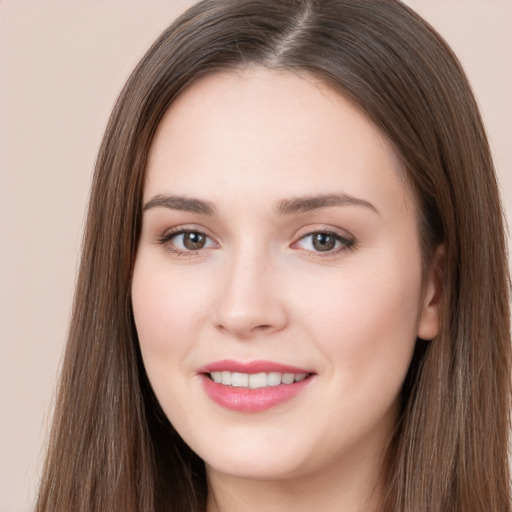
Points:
(251, 367)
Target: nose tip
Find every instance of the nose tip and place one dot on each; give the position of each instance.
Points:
(250, 305)
(244, 326)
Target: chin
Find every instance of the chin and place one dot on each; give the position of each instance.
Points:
(263, 459)
(268, 467)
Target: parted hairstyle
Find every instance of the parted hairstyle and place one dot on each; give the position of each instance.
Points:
(111, 447)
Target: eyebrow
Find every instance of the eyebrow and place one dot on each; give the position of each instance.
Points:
(309, 203)
(285, 207)
(182, 203)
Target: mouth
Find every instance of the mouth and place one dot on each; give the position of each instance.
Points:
(253, 387)
(255, 380)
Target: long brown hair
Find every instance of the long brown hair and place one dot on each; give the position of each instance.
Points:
(112, 448)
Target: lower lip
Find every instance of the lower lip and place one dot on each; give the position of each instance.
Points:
(252, 400)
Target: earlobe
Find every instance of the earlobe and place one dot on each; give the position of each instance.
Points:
(429, 320)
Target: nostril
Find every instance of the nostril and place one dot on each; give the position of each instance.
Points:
(262, 328)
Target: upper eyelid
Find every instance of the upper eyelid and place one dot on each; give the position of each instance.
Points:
(167, 237)
(346, 239)
(343, 239)
(322, 228)
(185, 229)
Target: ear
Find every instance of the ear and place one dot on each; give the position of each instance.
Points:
(429, 319)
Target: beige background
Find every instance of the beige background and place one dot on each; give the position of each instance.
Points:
(62, 64)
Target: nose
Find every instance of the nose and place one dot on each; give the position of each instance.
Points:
(251, 299)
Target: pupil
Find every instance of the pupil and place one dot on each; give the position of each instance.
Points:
(194, 241)
(323, 242)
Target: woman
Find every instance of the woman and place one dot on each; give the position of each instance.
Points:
(293, 288)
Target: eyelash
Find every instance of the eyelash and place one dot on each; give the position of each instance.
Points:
(344, 242)
(166, 239)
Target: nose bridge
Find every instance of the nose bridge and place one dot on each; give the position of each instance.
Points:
(250, 300)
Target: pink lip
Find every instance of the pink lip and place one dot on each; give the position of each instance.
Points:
(229, 365)
(251, 400)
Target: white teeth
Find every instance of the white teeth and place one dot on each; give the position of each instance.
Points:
(239, 380)
(288, 378)
(256, 380)
(274, 378)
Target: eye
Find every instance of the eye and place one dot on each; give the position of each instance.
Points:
(324, 241)
(185, 241)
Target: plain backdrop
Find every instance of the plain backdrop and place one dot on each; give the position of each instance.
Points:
(62, 64)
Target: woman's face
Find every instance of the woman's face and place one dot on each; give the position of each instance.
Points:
(280, 256)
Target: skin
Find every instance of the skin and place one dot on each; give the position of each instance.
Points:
(259, 289)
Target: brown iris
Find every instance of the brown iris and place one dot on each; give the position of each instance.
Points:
(324, 242)
(193, 241)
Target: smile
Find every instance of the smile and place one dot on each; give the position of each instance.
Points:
(255, 380)
(255, 386)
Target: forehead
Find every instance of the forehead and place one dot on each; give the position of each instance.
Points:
(269, 130)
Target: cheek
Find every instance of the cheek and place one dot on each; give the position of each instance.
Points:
(366, 322)
(167, 307)
(157, 320)
(166, 311)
